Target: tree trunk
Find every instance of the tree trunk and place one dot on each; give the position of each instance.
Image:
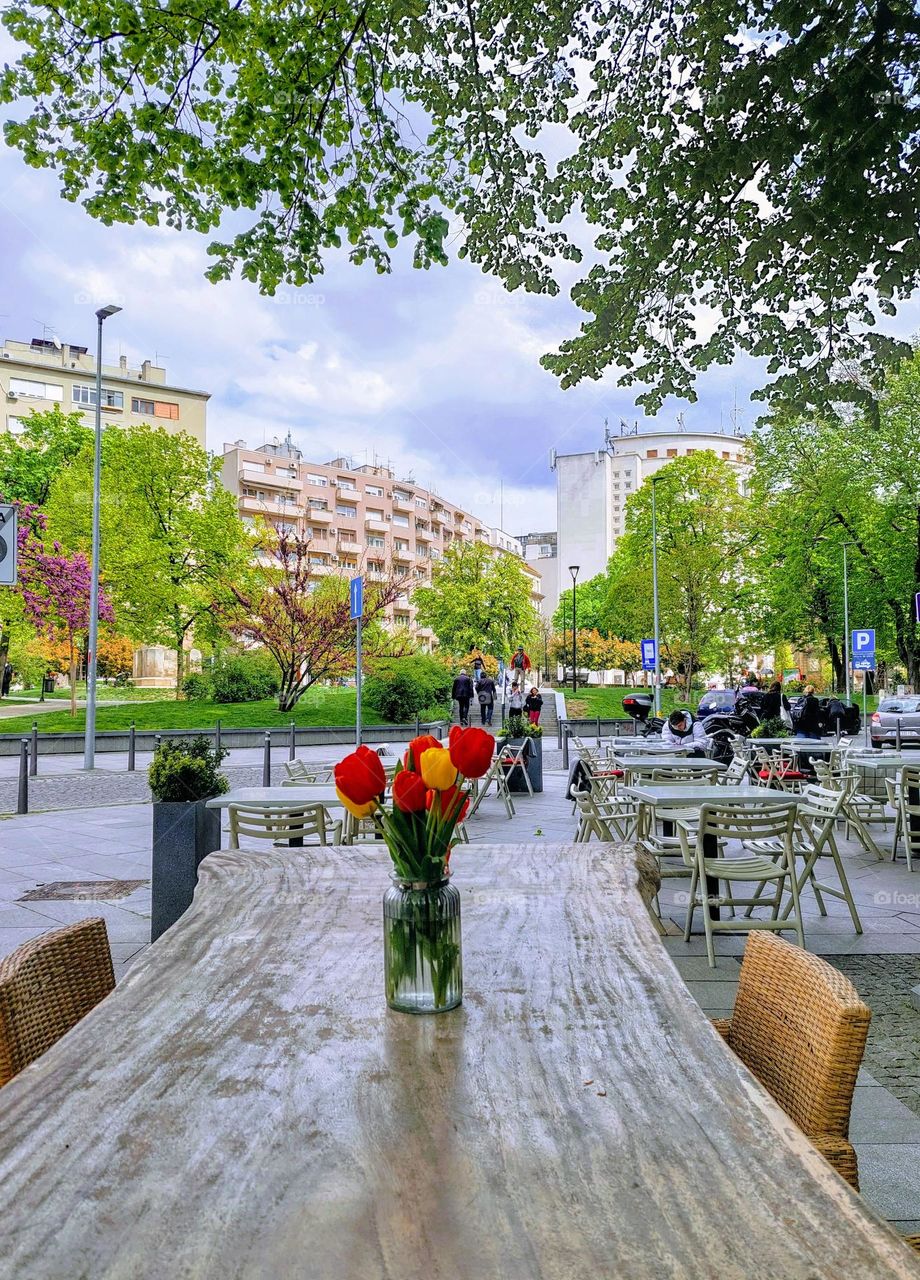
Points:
(73, 680)
(4, 647)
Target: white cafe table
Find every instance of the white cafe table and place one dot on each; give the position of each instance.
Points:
(816, 745)
(245, 1107)
(693, 764)
(269, 797)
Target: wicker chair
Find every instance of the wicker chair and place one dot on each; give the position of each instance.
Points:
(800, 1027)
(46, 986)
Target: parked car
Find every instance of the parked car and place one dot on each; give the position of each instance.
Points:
(894, 713)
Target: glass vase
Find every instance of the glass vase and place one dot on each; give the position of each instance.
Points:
(423, 964)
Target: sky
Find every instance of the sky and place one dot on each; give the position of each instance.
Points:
(435, 373)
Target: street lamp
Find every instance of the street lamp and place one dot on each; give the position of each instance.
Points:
(573, 570)
(655, 598)
(846, 618)
(89, 744)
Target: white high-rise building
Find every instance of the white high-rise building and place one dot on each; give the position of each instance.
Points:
(592, 489)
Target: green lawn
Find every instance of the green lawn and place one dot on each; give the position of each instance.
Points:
(607, 702)
(319, 706)
(104, 693)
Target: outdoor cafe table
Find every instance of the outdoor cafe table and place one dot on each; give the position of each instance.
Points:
(269, 797)
(796, 744)
(693, 764)
(245, 1107)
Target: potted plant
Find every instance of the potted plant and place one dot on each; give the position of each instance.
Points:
(518, 732)
(184, 774)
(423, 967)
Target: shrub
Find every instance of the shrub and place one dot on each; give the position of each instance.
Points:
(197, 687)
(402, 688)
(772, 727)
(518, 727)
(186, 769)
(245, 677)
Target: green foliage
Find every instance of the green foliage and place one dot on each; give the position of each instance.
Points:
(186, 769)
(197, 687)
(772, 727)
(245, 677)
(402, 688)
(478, 599)
(518, 727)
(753, 163)
(30, 461)
(590, 606)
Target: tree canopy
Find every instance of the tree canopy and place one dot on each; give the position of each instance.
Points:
(478, 599)
(30, 460)
(747, 173)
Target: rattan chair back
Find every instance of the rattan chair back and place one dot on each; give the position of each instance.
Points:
(46, 986)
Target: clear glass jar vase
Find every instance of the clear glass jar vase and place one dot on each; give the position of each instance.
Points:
(423, 964)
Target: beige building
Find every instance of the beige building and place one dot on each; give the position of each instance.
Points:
(357, 516)
(45, 373)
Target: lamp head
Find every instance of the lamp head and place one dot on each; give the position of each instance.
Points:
(573, 570)
(104, 312)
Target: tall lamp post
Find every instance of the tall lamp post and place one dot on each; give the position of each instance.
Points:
(573, 570)
(655, 599)
(89, 744)
(846, 617)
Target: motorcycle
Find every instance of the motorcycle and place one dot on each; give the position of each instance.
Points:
(639, 706)
(722, 726)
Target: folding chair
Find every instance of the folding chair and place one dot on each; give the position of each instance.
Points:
(279, 823)
(511, 758)
(495, 775)
(909, 805)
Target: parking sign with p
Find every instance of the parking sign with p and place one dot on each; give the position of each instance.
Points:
(863, 650)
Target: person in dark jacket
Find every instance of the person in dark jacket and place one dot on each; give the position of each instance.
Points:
(485, 692)
(808, 720)
(533, 705)
(479, 666)
(774, 702)
(462, 692)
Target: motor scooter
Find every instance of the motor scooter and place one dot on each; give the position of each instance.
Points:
(639, 707)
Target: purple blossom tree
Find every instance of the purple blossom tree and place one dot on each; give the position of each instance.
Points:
(55, 590)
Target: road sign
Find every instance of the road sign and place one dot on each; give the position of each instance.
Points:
(7, 546)
(648, 655)
(863, 650)
(356, 591)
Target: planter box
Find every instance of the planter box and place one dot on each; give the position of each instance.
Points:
(534, 765)
(183, 834)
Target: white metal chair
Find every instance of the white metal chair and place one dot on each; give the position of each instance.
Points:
(894, 802)
(611, 820)
(496, 776)
(910, 810)
(717, 825)
(513, 758)
(299, 773)
(308, 823)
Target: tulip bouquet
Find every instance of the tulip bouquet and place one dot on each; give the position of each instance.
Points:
(428, 798)
(421, 912)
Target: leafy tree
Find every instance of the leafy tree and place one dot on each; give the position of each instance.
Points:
(303, 619)
(590, 605)
(171, 536)
(748, 173)
(822, 481)
(30, 461)
(478, 599)
(702, 540)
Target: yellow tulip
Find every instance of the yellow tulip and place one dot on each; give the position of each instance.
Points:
(438, 770)
(356, 810)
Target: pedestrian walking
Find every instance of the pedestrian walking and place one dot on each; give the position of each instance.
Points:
(775, 704)
(533, 705)
(520, 665)
(7, 678)
(486, 693)
(462, 693)
(516, 701)
(806, 715)
(479, 666)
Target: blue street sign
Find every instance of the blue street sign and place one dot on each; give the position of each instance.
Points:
(648, 655)
(357, 597)
(863, 650)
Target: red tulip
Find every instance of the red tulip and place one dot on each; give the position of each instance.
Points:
(471, 751)
(361, 776)
(409, 793)
(455, 731)
(454, 803)
(426, 742)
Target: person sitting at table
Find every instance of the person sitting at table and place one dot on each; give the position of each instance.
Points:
(681, 729)
(806, 716)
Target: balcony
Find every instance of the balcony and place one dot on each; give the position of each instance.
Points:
(320, 569)
(374, 525)
(423, 534)
(348, 544)
(403, 502)
(317, 516)
(269, 480)
(403, 556)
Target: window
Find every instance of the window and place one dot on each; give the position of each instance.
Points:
(726, 454)
(652, 453)
(373, 514)
(87, 395)
(373, 490)
(41, 390)
(166, 409)
(143, 406)
(15, 425)
(400, 544)
(321, 481)
(545, 549)
(318, 504)
(672, 453)
(403, 521)
(347, 484)
(420, 502)
(398, 496)
(342, 509)
(258, 494)
(376, 542)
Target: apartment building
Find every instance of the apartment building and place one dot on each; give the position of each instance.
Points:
(357, 516)
(592, 489)
(45, 373)
(541, 553)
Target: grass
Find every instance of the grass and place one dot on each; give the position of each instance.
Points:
(320, 705)
(607, 701)
(104, 693)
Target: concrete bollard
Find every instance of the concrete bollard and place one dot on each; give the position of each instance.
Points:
(22, 801)
(131, 747)
(217, 736)
(267, 761)
(33, 755)
(292, 749)
(565, 747)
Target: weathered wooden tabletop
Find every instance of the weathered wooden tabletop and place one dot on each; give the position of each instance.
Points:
(244, 1105)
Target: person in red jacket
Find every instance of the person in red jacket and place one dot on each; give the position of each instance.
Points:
(520, 665)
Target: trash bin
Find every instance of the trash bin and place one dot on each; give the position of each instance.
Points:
(48, 684)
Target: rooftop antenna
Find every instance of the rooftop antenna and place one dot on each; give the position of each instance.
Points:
(681, 427)
(501, 504)
(737, 428)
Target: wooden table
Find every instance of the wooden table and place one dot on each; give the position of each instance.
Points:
(245, 1107)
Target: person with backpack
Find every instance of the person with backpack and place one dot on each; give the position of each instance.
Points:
(806, 714)
(486, 692)
(533, 705)
(479, 666)
(462, 693)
